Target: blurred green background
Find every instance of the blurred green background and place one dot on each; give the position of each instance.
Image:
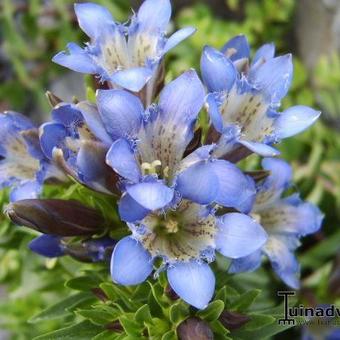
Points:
(32, 31)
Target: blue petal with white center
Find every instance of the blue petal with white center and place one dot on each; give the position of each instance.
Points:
(121, 112)
(295, 120)
(218, 71)
(239, 235)
(131, 264)
(194, 282)
(52, 135)
(47, 245)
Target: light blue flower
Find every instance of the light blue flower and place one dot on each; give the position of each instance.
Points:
(244, 97)
(148, 152)
(185, 237)
(68, 141)
(284, 219)
(127, 56)
(23, 167)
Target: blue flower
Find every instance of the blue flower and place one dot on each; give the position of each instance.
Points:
(92, 250)
(68, 141)
(23, 166)
(149, 148)
(127, 56)
(185, 238)
(244, 97)
(284, 219)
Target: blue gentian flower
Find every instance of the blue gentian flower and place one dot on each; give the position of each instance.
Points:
(149, 148)
(284, 219)
(127, 56)
(92, 250)
(68, 141)
(23, 166)
(244, 97)
(185, 237)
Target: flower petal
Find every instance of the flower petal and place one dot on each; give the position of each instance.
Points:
(295, 120)
(214, 112)
(273, 78)
(76, 59)
(93, 19)
(260, 148)
(293, 216)
(51, 135)
(194, 282)
(279, 180)
(132, 79)
(283, 261)
(247, 263)
(131, 264)
(121, 158)
(218, 72)
(121, 112)
(47, 245)
(198, 183)
(239, 235)
(26, 190)
(151, 195)
(264, 53)
(93, 120)
(130, 210)
(154, 15)
(235, 189)
(237, 48)
(178, 37)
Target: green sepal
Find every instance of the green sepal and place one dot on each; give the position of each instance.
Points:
(212, 312)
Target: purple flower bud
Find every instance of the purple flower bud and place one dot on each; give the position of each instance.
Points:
(194, 329)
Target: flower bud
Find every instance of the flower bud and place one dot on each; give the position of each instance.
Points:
(194, 329)
(56, 217)
(233, 320)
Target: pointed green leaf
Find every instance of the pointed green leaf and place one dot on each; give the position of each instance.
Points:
(83, 283)
(59, 310)
(130, 326)
(171, 335)
(245, 300)
(143, 315)
(212, 312)
(178, 312)
(258, 321)
(82, 331)
(98, 317)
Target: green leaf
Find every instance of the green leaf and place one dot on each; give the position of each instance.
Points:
(59, 310)
(130, 326)
(158, 328)
(258, 321)
(83, 283)
(98, 317)
(245, 300)
(171, 335)
(178, 312)
(107, 335)
(81, 331)
(218, 328)
(212, 312)
(143, 315)
(221, 294)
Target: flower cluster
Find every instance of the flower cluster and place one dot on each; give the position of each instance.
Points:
(182, 196)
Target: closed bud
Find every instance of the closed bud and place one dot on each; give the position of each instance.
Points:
(194, 329)
(52, 99)
(56, 217)
(233, 320)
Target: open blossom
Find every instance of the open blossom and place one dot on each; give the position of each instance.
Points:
(284, 219)
(127, 56)
(244, 97)
(23, 166)
(151, 156)
(185, 237)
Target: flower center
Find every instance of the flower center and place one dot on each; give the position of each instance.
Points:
(180, 235)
